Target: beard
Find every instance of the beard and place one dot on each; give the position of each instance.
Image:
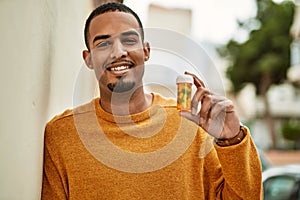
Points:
(121, 86)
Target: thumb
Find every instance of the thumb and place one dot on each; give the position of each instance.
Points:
(190, 116)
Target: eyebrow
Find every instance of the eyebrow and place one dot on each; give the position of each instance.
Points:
(128, 33)
(103, 37)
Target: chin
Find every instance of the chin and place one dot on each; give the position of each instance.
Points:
(121, 87)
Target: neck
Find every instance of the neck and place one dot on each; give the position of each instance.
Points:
(126, 103)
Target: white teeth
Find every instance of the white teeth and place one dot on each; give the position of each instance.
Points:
(119, 68)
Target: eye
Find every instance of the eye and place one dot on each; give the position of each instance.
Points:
(129, 41)
(104, 44)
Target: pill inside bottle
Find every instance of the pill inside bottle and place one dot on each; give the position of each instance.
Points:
(184, 92)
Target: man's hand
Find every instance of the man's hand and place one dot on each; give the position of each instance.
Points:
(214, 113)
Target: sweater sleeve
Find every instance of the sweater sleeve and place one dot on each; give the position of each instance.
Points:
(53, 187)
(235, 171)
(241, 170)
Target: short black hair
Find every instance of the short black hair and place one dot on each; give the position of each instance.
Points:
(109, 7)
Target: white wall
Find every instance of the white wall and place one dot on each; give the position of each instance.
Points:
(174, 19)
(41, 43)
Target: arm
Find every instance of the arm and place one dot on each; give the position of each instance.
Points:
(233, 172)
(241, 169)
(236, 155)
(53, 186)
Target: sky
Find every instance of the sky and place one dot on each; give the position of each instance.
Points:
(219, 17)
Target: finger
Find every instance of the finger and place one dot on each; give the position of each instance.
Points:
(218, 116)
(198, 82)
(213, 119)
(210, 103)
(190, 116)
(219, 104)
(225, 106)
(206, 107)
(219, 107)
(197, 98)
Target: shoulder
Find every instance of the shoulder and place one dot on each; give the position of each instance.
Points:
(66, 118)
(61, 131)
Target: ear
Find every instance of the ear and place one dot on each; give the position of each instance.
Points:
(146, 51)
(87, 58)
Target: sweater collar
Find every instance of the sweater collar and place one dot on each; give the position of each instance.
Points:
(152, 110)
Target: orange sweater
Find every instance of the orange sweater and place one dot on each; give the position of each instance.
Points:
(91, 154)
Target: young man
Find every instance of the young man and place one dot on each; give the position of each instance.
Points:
(131, 145)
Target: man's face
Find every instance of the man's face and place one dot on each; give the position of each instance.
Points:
(117, 53)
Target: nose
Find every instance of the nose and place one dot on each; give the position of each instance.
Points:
(118, 50)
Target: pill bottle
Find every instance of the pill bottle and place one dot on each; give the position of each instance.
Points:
(184, 92)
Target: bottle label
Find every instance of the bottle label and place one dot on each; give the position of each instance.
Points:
(184, 95)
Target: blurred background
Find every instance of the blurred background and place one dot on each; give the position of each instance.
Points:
(254, 46)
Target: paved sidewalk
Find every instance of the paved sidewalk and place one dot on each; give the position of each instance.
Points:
(280, 157)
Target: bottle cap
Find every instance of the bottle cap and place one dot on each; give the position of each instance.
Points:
(184, 79)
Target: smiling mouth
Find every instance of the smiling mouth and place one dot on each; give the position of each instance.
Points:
(119, 68)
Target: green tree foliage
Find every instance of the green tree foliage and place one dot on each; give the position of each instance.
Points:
(265, 56)
(291, 131)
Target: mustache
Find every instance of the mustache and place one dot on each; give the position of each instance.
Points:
(119, 61)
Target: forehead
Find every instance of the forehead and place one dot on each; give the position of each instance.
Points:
(112, 23)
